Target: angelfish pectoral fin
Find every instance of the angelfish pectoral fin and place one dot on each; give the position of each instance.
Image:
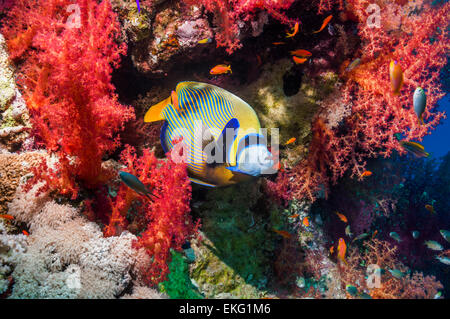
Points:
(235, 169)
(199, 182)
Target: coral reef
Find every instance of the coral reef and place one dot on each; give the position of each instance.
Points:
(13, 168)
(164, 223)
(14, 120)
(411, 286)
(377, 114)
(76, 120)
(65, 256)
(74, 88)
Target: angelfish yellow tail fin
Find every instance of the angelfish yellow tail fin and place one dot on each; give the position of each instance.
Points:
(155, 112)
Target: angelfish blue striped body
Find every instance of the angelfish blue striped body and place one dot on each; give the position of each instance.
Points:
(220, 131)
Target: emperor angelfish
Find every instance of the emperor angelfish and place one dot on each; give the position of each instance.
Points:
(220, 133)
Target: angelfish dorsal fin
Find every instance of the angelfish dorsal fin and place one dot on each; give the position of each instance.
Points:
(155, 112)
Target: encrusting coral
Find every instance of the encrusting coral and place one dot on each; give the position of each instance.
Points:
(13, 167)
(14, 120)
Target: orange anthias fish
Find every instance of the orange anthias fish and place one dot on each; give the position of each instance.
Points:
(430, 208)
(25, 233)
(301, 53)
(294, 216)
(331, 250)
(278, 43)
(342, 217)
(374, 233)
(396, 76)
(324, 24)
(6, 216)
(342, 249)
(175, 104)
(296, 27)
(220, 69)
(283, 233)
(298, 60)
(290, 141)
(306, 222)
(366, 173)
(258, 59)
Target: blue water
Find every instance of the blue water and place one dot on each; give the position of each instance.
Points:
(438, 142)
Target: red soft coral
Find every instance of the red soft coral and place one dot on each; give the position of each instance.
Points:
(165, 220)
(227, 14)
(66, 81)
(383, 255)
(419, 43)
(327, 5)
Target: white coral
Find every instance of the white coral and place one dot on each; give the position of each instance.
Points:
(66, 255)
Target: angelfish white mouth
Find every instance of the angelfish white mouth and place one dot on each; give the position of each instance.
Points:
(255, 160)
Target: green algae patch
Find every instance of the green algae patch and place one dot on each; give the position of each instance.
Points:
(178, 284)
(234, 257)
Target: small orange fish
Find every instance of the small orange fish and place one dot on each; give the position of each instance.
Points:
(324, 24)
(296, 27)
(258, 58)
(331, 250)
(6, 216)
(342, 249)
(174, 98)
(342, 217)
(294, 216)
(374, 234)
(25, 233)
(221, 69)
(396, 76)
(298, 60)
(290, 141)
(430, 208)
(283, 233)
(278, 43)
(305, 222)
(301, 53)
(366, 173)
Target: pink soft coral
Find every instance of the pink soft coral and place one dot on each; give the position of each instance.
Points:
(66, 81)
